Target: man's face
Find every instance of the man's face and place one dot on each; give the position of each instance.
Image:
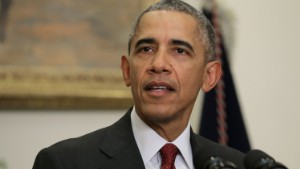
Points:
(166, 66)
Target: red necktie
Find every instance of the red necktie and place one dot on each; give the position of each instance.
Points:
(168, 154)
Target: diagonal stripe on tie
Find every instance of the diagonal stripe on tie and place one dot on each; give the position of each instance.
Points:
(168, 155)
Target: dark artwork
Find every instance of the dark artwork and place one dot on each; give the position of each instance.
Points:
(64, 54)
(65, 33)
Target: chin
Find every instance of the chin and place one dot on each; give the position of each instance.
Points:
(157, 113)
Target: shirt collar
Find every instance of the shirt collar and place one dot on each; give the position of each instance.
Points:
(149, 142)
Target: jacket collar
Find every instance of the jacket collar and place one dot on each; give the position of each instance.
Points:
(119, 146)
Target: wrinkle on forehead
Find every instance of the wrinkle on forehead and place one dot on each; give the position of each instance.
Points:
(164, 20)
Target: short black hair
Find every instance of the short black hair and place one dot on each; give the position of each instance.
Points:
(206, 30)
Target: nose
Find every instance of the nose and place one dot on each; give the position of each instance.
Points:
(160, 63)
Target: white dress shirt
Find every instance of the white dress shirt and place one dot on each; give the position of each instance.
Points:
(149, 144)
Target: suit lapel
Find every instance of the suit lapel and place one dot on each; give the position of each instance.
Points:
(118, 149)
(196, 143)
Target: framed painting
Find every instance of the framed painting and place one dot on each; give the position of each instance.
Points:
(65, 54)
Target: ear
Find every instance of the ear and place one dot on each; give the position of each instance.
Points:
(212, 74)
(125, 70)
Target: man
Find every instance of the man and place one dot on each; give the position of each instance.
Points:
(171, 57)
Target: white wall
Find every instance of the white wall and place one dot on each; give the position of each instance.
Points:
(265, 64)
(265, 68)
(23, 134)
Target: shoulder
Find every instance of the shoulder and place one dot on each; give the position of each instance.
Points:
(84, 150)
(83, 142)
(205, 146)
(73, 151)
(93, 139)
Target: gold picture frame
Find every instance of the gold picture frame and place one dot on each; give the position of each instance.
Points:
(65, 54)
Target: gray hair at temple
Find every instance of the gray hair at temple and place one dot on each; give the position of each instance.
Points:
(206, 30)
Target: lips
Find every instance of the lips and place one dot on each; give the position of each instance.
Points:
(158, 86)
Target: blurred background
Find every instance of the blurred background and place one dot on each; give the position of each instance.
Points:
(263, 50)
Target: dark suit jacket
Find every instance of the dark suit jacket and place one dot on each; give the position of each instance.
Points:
(113, 147)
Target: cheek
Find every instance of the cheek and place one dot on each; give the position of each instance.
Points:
(137, 72)
(192, 79)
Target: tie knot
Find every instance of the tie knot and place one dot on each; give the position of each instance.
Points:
(168, 154)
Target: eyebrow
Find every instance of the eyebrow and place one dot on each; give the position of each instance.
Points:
(144, 41)
(173, 41)
(182, 43)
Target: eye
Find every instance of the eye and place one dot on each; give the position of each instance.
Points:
(145, 49)
(180, 51)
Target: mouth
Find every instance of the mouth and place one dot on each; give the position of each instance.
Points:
(159, 87)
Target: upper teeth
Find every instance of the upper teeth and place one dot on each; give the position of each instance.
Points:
(159, 87)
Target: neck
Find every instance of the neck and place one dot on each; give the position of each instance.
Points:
(169, 130)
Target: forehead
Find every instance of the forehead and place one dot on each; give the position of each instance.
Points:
(167, 24)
